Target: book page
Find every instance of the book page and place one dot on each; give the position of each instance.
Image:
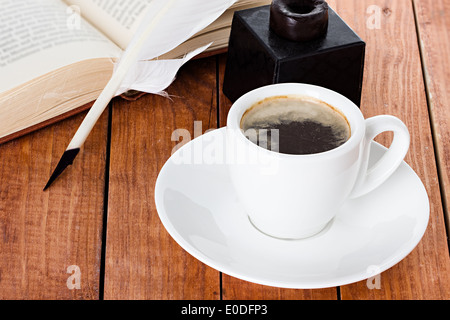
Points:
(39, 36)
(118, 19)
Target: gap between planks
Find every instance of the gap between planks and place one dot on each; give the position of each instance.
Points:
(432, 119)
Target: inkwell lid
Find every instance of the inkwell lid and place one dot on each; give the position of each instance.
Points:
(299, 20)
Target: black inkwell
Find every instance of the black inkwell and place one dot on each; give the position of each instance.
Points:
(302, 41)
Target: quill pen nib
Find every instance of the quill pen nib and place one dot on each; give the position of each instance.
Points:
(65, 161)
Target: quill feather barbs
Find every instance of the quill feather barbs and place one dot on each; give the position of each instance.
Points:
(171, 22)
(167, 24)
(155, 75)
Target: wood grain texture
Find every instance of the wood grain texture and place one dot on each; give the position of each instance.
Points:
(43, 233)
(142, 260)
(236, 289)
(433, 23)
(393, 84)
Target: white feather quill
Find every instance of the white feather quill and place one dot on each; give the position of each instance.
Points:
(167, 24)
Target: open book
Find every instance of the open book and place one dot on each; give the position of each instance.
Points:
(57, 55)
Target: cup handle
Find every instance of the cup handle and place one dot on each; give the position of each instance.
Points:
(370, 178)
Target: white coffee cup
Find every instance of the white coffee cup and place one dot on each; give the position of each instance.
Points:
(296, 196)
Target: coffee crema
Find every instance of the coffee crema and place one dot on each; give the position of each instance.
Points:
(295, 125)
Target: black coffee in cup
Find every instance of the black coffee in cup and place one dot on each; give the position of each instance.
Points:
(295, 125)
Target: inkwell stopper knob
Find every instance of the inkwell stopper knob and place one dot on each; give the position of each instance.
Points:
(299, 20)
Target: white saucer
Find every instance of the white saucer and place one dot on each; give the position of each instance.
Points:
(199, 208)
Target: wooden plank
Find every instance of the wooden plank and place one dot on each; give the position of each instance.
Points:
(142, 260)
(433, 22)
(235, 289)
(44, 233)
(393, 84)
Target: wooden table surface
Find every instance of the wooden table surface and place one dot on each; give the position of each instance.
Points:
(99, 220)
